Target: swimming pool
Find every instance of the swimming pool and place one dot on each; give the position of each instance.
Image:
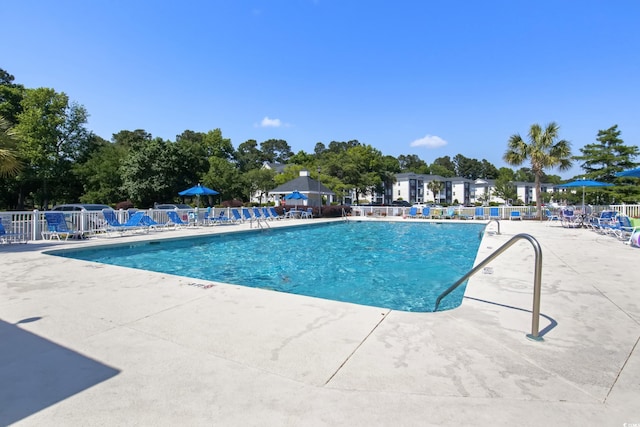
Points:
(401, 266)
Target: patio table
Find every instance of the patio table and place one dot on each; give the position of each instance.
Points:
(293, 213)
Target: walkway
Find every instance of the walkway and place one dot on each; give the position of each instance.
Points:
(84, 344)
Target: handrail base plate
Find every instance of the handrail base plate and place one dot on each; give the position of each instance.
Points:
(535, 338)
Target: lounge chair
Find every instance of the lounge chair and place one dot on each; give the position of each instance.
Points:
(451, 213)
(134, 223)
(176, 220)
(270, 213)
(8, 237)
(265, 213)
(570, 219)
(308, 214)
(147, 221)
(274, 213)
(628, 229)
(246, 214)
(463, 215)
(57, 226)
(515, 215)
(413, 212)
(257, 214)
(437, 213)
(222, 219)
(494, 213)
(426, 212)
(236, 215)
(551, 216)
(479, 213)
(621, 228)
(209, 219)
(603, 220)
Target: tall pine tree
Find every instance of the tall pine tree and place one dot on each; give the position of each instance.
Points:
(609, 155)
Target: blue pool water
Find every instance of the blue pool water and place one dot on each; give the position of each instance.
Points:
(401, 266)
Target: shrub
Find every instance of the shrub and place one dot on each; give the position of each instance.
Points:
(232, 203)
(333, 211)
(127, 204)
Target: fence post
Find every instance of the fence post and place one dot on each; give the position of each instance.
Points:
(36, 233)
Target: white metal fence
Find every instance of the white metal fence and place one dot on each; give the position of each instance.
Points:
(30, 225)
(501, 212)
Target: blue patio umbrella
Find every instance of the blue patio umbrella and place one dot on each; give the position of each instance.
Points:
(198, 190)
(584, 183)
(632, 173)
(296, 195)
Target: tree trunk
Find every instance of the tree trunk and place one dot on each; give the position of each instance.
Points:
(538, 201)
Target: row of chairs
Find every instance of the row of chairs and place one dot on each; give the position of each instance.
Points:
(10, 236)
(614, 224)
(450, 213)
(607, 222)
(58, 228)
(249, 214)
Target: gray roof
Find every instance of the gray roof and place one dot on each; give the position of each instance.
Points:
(303, 184)
(278, 167)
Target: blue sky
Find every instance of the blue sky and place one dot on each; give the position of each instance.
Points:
(431, 78)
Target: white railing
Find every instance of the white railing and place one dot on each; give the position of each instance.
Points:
(632, 211)
(503, 212)
(29, 225)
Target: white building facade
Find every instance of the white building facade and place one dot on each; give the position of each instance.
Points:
(417, 188)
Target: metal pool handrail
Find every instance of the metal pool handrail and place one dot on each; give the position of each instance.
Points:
(496, 221)
(537, 280)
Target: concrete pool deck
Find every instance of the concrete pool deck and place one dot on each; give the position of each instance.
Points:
(89, 344)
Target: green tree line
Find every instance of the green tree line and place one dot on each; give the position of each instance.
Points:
(49, 156)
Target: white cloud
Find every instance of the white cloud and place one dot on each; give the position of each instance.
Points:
(270, 123)
(429, 141)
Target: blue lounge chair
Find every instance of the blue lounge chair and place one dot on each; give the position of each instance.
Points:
(451, 213)
(426, 212)
(603, 220)
(515, 215)
(209, 219)
(479, 213)
(221, 219)
(57, 226)
(551, 216)
(246, 214)
(149, 222)
(134, 223)
(266, 214)
(570, 219)
(236, 215)
(494, 213)
(257, 214)
(176, 220)
(621, 228)
(413, 212)
(274, 213)
(8, 237)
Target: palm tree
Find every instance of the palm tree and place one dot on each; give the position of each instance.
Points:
(9, 163)
(435, 187)
(544, 151)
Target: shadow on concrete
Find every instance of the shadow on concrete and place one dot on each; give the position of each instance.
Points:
(36, 373)
(30, 246)
(552, 322)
